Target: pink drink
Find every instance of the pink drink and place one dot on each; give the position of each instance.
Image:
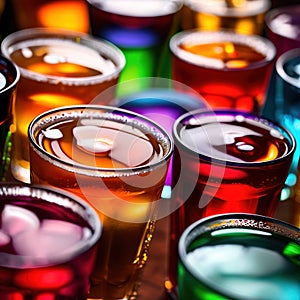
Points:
(47, 244)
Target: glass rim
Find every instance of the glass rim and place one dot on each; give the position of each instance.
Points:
(64, 199)
(178, 142)
(209, 36)
(275, 12)
(262, 222)
(101, 46)
(12, 67)
(179, 4)
(248, 10)
(98, 171)
(283, 58)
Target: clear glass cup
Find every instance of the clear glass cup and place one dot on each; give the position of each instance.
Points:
(49, 240)
(117, 161)
(58, 67)
(141, 29)
(239, 257)
(228, 69)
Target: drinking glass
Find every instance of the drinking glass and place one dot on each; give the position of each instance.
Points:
(66, 14)
(239, 257)
(117, 161)
(9, 79)
(141, 29)
(225, 161)
(246, 16)
(283, 27)
(229, 70)
(58, 67)
(48, 243)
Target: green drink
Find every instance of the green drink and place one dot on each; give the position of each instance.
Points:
(239, 256)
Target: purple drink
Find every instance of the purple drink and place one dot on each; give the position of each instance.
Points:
(48, 241)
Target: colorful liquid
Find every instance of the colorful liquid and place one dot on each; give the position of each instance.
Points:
(231, 163)
(228, 70)
(57, 71)
(69, 14)
(241, 264)
(244, 16)
(139, 28)
(9, 78)
(47, 248)
(163, 106)
(100, 160)
(283, 27)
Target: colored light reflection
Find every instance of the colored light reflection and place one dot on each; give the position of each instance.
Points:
(163, 106)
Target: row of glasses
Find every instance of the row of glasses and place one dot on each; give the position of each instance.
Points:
(85, 131)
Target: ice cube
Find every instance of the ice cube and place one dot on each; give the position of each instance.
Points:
(17, 219)
(88, 138)
(52, 238)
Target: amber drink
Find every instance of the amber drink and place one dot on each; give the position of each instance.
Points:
(57, 67)
(228, 69)
(117, 161)
(243, 16)
(225, 162)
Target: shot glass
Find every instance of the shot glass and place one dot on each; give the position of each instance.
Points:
(163, 101)
(48, 243)
(9, 79)
(141, 29)
(230, 70)
(246, 16)
(66, 14)
(117, 161)
(58, 67)
(239, 257)
(225, 161)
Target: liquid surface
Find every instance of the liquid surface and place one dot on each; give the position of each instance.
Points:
(234, 138)
(249, 264)
(98, 143)
(60, 58)
(232, 55)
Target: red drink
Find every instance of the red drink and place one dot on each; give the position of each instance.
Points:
(117, 161)
(229, 70)
(48, 244)
(225, 162)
